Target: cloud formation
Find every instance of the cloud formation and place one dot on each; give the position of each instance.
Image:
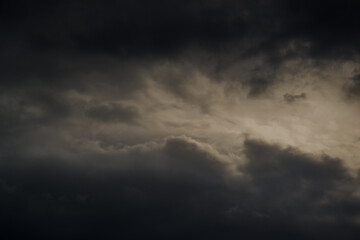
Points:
(292, 98)
(179, 119)
(353, 88)
(181, 187)
(113, 113)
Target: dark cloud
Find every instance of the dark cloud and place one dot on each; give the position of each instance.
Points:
(352, 89)
(289, 98)
(84, 85)
(180, 188)
(287, 174)
(258, 85)
(39, 39)
(24, 110)
(162, 26)
(113, 113)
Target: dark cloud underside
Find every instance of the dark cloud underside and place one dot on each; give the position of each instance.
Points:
(180, 190)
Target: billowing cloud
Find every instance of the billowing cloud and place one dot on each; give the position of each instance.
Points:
(184, 187)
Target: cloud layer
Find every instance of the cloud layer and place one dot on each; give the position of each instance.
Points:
(180, 188)
(179, 119)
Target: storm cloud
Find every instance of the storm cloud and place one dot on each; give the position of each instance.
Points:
(181, 187)
(179, 119)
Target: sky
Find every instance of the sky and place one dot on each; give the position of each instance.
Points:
(216, 119)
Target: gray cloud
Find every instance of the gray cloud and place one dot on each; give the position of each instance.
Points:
(55, 41)
(258, 85)
(113, 113)
(289, 98)
(352, 89)
(126, 119)
(185, 187)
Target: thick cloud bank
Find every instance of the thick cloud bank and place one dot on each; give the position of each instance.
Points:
(181, 188)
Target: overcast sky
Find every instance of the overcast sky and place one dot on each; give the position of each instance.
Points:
(169, 119)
